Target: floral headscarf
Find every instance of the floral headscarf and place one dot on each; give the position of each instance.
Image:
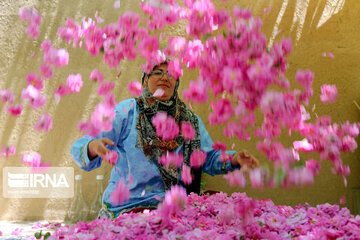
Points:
(153, 146)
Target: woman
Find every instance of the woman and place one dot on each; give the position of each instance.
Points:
(134, 138)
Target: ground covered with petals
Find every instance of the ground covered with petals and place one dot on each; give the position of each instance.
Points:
(224, 217)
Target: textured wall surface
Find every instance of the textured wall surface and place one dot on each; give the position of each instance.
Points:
(315, 26)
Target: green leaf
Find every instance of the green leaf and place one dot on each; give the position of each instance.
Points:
(38, 235)
(261, 223)
(47, 235)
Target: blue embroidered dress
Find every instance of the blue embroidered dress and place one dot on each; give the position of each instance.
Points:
(147, 182)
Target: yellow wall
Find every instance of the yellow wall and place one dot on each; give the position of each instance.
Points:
(314, 26)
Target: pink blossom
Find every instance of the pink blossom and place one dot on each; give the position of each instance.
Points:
(46, 71)
(53, 56)
(17, 231)
(328, 93)
(62, 90)
(96, 76)
(197, 158)
(166, 127)
(109, 100)
(34, 96)
(89, 129)
(241, 13)
(303, 146)
(186, 174)
(313, 166)
(15, 110)
(74, 83)
(348, 144)
(7, 96)
(33, 160)
(111, 157)
(32, 17)
(236, 178)
(219, 146)
(103, 117)
(35, 81)
(175, 69)
(121, 193)
(177, 45)
(223, 111)
(342, 200)
(44, 123)
(105, 88)
(187, 130)
(171, 159)
(7, 151)
(174, 202)
(256, 178)
(197, 92)
(148, 46)
(135, 88)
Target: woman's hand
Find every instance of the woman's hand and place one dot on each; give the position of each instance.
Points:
(98, 147)
(243, 158)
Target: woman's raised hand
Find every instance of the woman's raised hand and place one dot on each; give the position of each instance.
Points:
(243, 158)
(98, 147)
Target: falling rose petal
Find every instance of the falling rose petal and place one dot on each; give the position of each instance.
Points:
(328, 93)
(43, 167)
(197, 158)
(277, 32)
(330, 55)
(111, 157)
(7, 96)
(117, 4)
(157, 197)
(132, 105)
(190, 106)
(7, 151)
(266, 10)
(131, 178)
(143, 193)
(120, 194)
(74, 82)
(186, 174)
(44, 123)
(96, 76)
(159, 92)
(33, 55)
(98, 18)
(15, 110)
(342, 200)
(124, 110)
(233, 146)
(187, 130)
(135, 88)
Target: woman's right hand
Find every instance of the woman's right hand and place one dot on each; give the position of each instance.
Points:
(98, 147)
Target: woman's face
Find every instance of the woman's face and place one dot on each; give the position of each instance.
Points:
(159, 78)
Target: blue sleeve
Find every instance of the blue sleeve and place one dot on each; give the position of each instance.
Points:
(213, 165)
(79, 148)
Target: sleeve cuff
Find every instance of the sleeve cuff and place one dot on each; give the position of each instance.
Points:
(85, 161)
(228, 166)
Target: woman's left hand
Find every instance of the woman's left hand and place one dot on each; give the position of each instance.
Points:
(243, 158)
